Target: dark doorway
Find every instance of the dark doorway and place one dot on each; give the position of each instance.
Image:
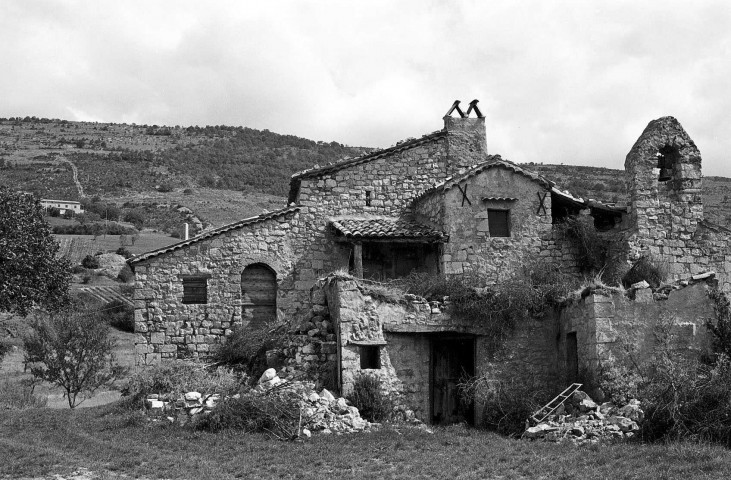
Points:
(452, 360)
(572, 358)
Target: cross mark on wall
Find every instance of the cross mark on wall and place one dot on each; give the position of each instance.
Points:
(464, 195)
(541, 205)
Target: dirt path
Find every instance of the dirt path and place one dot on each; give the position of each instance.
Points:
(75, 173)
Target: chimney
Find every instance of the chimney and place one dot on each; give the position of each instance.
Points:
(466, 139)
(186, 231)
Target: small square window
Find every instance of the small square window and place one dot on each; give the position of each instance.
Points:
(370, 357)
(499, 222)
(195, 290)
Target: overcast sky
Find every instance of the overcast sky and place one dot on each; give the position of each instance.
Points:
(559, 82)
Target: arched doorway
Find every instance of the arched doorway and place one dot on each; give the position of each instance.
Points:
(258, 295)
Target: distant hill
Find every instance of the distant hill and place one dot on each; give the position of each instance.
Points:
(251, 168)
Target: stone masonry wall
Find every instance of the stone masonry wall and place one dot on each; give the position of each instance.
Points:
(167, 328)
(471, 250)
(608, 325)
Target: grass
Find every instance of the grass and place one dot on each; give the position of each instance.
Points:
(111, 441)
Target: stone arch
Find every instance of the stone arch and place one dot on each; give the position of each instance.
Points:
(258, 294)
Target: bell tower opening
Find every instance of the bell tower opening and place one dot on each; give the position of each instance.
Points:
(667, 158)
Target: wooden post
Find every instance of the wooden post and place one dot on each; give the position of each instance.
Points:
(358, 259)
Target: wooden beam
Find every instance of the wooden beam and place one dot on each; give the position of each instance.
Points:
(358, 259)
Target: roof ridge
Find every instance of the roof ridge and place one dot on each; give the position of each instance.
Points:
(403, 145)
(213, 233)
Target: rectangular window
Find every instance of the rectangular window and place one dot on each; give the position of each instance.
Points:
(195, 290)
(370, 357)
(368, 198)
(499, 222)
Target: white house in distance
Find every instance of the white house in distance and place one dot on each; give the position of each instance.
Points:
(62, 205)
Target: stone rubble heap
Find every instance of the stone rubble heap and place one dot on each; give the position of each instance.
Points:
(581, 420)
(321, 412)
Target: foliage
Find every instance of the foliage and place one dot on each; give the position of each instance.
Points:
(370, 400)
(90, 262)
(531, 292)
(72, 350)
(119, 315)
(592, 247)
(124, 252)
(507, 399)
(245, 349)
(126, 275)
(682, 396)
(4, 349)
(721, 329)
(20, 394)
(96, 229)
(648, 269)
(178, 377)
(276, 412)
(30, 272)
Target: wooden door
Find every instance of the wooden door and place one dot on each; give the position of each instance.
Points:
(453, 360)
(258, 295)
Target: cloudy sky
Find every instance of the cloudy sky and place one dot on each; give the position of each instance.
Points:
(570, 82)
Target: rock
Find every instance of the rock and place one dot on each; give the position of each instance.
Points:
(313, 332)
(640, 285)
(195, 411)
(268, 375)
(327, 395)
(587, 405)
(326, 431)
(313, 397)
(153, 396)
(623, 423)
(534, 432)
(577, 431)
(606, 408)
(212, 400)
(341, 405)
(633, 412)
(153, 404)
(192, 397)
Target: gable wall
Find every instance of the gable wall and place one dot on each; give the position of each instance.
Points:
(471, 250)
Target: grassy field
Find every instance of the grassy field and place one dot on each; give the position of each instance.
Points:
(111, 442)
(78, 246)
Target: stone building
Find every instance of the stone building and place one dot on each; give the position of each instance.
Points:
(438, 204)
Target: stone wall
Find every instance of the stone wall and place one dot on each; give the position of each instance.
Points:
(471, 249)
(609, 325)
(168, 328)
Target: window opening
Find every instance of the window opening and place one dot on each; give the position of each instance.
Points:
(195, 290)
(368, 198)
(498, 222)
(370, 357)
(667, 156)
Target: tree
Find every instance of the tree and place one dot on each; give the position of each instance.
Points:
(72, 350)
(30, 272)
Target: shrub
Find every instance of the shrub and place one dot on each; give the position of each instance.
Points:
(592, 247)
(180, 376)
(506, 400)
(90, 262)
(78, 269)
(120, 315)
(276, 412)
(19, 395)
(721, 329)
(126, 275)
(245, 349)
(646, 268)
(72, 350)
(124, 252)
(368, 397)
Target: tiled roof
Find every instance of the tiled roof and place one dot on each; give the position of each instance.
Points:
(385, 228)
(212, 233)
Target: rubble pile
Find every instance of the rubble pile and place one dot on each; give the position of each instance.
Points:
(320, 412)
(581, 420)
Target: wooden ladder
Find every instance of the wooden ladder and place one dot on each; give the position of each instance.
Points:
(542, 413)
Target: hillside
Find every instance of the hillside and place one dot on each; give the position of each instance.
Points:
(221, 173)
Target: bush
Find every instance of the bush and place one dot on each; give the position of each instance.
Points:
(178, 377)
(276, 412)
(369, 399)
(126, 275)
(592, 247)
(72, 350)
(90, 262)
(646, 268)
(119, 315)
(19, 395)
(124, 252)
(507, 400)
(245, 349)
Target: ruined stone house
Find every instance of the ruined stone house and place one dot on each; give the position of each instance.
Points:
(439, 204)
